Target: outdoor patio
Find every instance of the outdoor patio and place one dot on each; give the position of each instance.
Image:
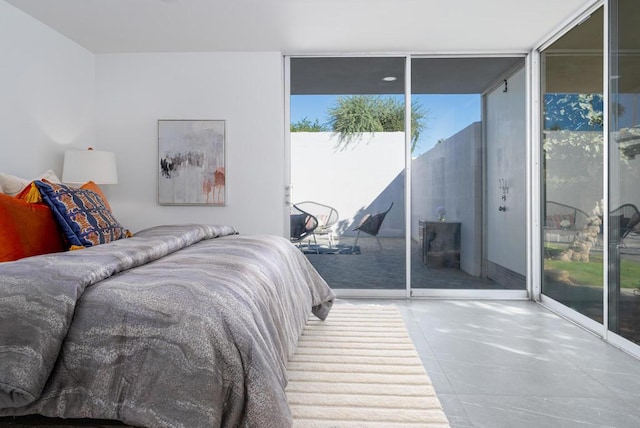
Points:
(384, 269)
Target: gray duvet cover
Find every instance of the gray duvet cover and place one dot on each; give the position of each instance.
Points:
(169, 328)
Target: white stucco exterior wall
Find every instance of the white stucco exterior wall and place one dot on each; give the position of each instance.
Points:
(450, 175)
(364, 178)
(367, 177)
(506, 151)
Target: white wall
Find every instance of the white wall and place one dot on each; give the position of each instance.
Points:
(506, 154)
(450, 175)
(364, 178)
(46, 95)
(133, 91)
(57, 95)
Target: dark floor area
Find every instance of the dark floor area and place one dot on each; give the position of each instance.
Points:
(383, 268)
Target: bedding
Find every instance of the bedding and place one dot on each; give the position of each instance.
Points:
(186, 325)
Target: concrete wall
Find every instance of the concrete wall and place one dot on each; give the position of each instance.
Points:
(450, 175)
(364, 178)
(506, 153)
(370, 175)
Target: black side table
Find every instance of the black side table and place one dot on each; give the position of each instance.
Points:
(440, 243)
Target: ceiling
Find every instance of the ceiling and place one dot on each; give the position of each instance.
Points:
(303, 26)
(358, 75)
(573, 63)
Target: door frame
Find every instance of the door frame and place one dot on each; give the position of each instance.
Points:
(409, 292)
(536, 163)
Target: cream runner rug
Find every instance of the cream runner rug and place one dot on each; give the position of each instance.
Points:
(359, 368)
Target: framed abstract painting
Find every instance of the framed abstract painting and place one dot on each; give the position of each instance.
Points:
(191, 162)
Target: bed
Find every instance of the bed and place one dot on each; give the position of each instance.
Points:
(179, 325)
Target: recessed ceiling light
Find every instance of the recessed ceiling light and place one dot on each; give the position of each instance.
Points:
(389, 78)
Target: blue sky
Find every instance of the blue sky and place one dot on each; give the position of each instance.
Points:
(447, 115)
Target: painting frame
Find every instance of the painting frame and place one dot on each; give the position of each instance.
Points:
(191, 162)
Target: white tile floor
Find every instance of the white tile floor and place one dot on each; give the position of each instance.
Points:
(515, 364)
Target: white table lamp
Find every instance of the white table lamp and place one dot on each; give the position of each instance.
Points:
(81, 166)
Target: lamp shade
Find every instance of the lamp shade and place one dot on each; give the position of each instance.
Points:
(81, 166)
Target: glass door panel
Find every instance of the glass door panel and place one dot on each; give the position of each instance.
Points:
(347, 165)
(572, 147)
(624, 171)
(468, 193)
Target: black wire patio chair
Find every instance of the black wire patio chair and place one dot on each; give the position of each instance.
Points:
(326, 215)
(624, 220)
(302, 225)
(370, 224)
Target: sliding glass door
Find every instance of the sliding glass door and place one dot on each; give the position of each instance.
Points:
(624, 171)
(465, 152)
(468, 192)
(572, 147)
(589, 200)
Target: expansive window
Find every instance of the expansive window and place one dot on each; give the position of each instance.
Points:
(466, 151)
(572, 146)
(624, 170)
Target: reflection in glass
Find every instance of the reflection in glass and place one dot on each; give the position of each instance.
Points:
(572, 149)
(624, 171)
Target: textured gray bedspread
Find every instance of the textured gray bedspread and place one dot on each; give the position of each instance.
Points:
(168, 328)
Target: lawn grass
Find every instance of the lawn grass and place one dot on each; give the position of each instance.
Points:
(590, 273)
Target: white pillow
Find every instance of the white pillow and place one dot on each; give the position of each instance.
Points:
(12, 185)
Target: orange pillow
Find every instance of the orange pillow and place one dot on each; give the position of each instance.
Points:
(27, 230)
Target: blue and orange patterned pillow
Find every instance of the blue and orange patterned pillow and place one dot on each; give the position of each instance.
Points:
(81, 214)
